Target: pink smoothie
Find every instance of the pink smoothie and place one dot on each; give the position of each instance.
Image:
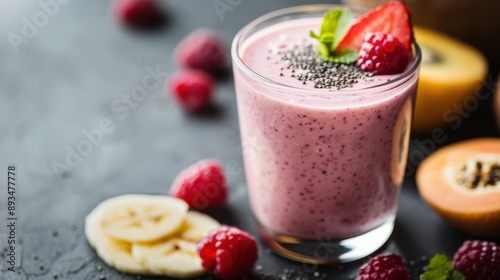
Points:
(320, 163)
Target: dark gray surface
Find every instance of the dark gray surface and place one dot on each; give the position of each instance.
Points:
(65, 79)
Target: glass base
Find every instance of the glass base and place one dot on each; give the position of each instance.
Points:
(324, 250)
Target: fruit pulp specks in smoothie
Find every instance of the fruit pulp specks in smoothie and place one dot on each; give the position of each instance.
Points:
(318, 167)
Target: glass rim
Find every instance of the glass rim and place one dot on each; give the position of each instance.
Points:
(237, 42)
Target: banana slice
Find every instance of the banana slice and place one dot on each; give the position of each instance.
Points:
(177, 256)
(173, 257)
(91, 227)
(115, 253)
(149, 235)
(142, 218)
(118, 254)
(197, 225)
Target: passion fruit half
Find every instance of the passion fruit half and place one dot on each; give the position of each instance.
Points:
(461, 182)
(450, 72)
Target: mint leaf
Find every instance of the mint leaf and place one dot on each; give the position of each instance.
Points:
(440, 268)
(440, 262)
(344, 57)
(343, 23)
(433, 275)
(325, 45)
(455, 275)
(335, 24)
(313, 35)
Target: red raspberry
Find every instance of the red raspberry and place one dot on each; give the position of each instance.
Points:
(386, 267)
(202, 49)
(228, 252)
(192, 89)
(138, 12)
(382, 54)
(202, 185)
(478, 260)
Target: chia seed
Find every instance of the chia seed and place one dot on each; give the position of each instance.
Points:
(304, 61)
(259, 269)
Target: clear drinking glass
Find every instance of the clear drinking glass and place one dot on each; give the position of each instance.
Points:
(323, 167)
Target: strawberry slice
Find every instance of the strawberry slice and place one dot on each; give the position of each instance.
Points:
(391, 18)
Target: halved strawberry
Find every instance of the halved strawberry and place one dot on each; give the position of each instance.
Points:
(391, 18)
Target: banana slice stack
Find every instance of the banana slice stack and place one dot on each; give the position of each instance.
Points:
(148, 235)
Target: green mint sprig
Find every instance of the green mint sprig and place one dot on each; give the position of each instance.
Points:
(334, 26)
(440, 268)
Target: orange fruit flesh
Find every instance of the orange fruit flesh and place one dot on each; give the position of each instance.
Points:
(476, 212)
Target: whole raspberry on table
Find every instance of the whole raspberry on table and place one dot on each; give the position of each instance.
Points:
(202, 49)
(202, 185)
(382, 54)
(384, 267)
(192, 89)
(138, 12)
(478, 260)
(228, 252)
